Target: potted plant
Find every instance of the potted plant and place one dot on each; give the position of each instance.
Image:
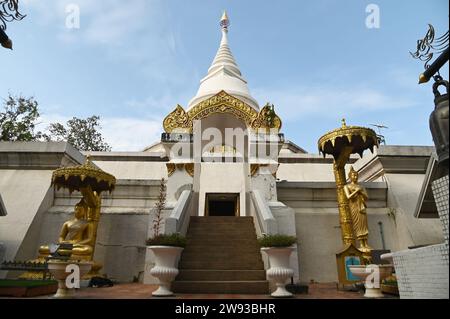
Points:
(390, 286)
(166, 249)
(279, 249)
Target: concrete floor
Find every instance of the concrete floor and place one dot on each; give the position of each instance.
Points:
(139, 291)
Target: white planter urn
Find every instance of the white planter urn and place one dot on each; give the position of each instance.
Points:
(280, 271)
(166, 268)
(59, 270)
(373, 285)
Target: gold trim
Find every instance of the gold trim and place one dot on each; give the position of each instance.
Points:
(171, 168)
(255, 167)
(177, 120)
(221, 103)
(190, 169)
(350, 133)
(76, 177)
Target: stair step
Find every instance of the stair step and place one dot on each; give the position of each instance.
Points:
(224, 235)
(221, 287)
(219, 241)
(221, 275)
(211, 250)
(222, 255)
(233, 256)
(221, 265)
(221, 219)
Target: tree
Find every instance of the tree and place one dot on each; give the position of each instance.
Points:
(83, 134)
(18, 121)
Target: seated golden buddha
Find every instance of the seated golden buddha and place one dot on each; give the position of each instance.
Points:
(79, 232)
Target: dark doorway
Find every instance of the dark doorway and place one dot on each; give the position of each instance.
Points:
(222, 205)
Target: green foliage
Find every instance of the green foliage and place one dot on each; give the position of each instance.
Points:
(7, 283)
(18, 121)
(391, 281)
(83, 134)
(277, 241)
(175, 240)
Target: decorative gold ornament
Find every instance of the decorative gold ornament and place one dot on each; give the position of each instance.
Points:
(78, 177)
(350, 255)
(221, 103)
(190, 169)
(359, 138)
(254, 169)
(171, 168)
(177, 120)
(267, 119)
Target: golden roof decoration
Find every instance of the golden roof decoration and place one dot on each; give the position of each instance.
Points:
(359, 138)
(180, 120)
(74, 178)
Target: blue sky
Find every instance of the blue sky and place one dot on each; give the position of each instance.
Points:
(131, 62)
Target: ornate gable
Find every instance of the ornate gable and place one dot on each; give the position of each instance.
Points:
(181, 121)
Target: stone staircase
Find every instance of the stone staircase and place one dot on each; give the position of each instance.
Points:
(222, 256)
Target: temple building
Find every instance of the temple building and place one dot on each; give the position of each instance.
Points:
(232, 176)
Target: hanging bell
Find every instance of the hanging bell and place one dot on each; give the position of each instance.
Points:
(4, 40)
(439, 122)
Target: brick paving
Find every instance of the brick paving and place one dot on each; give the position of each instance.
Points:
(139, 291)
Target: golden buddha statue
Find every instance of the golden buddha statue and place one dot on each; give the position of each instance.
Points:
(357, 198)
(81, 230)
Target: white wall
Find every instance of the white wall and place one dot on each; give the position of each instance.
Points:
(23, 192)
(223, 178)
(403, 194)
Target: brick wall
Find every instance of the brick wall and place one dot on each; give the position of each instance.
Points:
(440, 191)
(423, 273)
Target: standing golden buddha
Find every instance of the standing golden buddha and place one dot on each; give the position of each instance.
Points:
(357, 198)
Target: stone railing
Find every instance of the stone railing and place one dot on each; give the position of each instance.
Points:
(177, 220)
(267, 222)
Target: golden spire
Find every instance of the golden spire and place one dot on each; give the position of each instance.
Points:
(225, 21)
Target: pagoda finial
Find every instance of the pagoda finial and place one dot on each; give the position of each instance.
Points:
(225, 21)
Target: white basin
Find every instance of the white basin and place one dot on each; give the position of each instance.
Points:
(372, 283)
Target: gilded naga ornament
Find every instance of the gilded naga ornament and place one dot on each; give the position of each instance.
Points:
(357, 198)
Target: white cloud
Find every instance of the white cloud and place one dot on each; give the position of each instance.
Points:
(329, 102)
(102, 22)
(129, 134)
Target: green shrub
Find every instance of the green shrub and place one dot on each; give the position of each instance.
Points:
(277, 241)
(175, 240)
